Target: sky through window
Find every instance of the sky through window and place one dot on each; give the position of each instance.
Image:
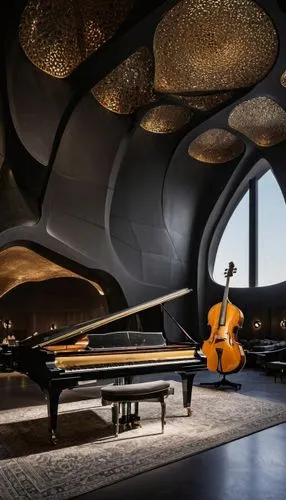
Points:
(234, 244)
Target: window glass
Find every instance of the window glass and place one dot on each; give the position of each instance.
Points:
(271, 231)
(234, 246)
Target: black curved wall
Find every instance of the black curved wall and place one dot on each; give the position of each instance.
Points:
(93, 187)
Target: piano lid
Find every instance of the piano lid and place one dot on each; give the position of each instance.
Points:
(62, 334)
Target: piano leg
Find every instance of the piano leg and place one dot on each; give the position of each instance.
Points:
(187, 386)
(122, 406)
(53, 396)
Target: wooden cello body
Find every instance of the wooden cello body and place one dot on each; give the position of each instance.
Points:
(223, 352)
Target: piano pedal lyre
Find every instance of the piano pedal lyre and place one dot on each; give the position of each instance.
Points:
(53, 437)
(129, 421)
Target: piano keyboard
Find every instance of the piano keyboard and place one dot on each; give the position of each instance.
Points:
(75, 362)
(115, 367)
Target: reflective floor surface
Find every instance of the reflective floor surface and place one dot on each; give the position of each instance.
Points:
(251, 468)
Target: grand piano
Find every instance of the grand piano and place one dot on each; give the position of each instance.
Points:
(65, 358)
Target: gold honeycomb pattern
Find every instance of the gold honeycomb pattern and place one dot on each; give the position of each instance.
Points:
(128, 86)
(57, 35)
(204, 102)
(261, 119)
(283, 79)
(19, 265)
(165, 119)
(210, 45)
(216, 146)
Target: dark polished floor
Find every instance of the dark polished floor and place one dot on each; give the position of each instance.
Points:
(251, 468)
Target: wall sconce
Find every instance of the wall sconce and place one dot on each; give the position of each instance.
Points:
(53, 326)
(257, 324)
(7, 324)
(283, 324)
(9, 337)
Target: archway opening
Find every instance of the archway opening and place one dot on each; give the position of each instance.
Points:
(35, 307)
(38, 294)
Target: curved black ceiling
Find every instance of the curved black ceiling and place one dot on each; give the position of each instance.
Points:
(117, 185)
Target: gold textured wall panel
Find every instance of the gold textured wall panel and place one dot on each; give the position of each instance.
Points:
(216, 146)
(128, 86)
(261, 119)
(165, 119)
(20, 265)
(57, 35)
(207, 45)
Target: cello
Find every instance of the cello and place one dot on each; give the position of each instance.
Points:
(223, 352)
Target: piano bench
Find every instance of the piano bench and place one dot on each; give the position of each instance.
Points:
(134, 393)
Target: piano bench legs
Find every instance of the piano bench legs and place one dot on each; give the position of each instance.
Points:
(125, 395)
(115, 415)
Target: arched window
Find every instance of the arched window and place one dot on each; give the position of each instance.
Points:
(271, 231)
(268, 247)
(234, 246)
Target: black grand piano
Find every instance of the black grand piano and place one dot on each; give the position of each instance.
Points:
(55, 361)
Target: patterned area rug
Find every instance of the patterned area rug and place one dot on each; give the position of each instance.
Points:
(89, 457)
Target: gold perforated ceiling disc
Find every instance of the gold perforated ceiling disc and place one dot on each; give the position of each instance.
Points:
(165, 119)
(261, 119)
(57, 35)
(208, 45)
(216, 146)
(128, 86)
(283, 79)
